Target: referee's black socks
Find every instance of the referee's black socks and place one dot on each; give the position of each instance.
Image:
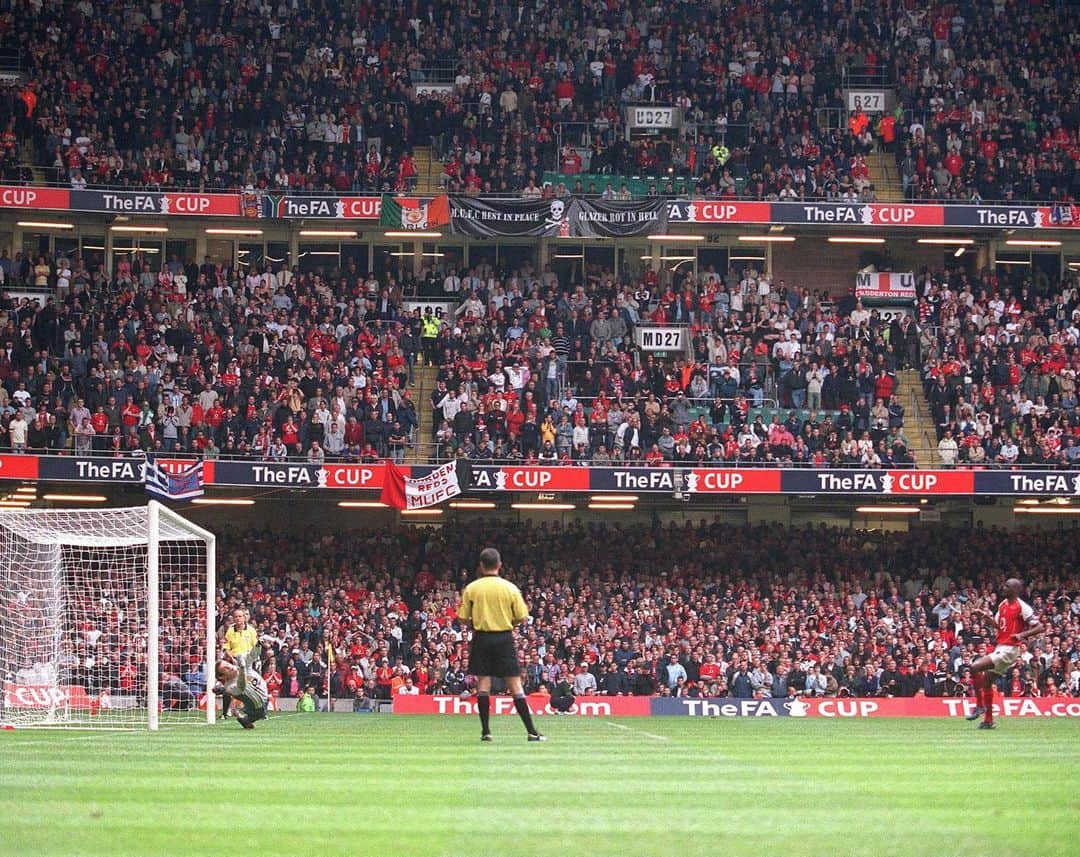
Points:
(483, 708)
(522, 706)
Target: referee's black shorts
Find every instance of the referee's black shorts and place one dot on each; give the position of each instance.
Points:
(493, 653)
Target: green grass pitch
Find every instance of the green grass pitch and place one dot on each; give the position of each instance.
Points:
(408, 785)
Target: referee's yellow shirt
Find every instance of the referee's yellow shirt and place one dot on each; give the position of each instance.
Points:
(240, 642)
(493, 603)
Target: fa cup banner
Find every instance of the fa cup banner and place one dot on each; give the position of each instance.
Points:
(402, 492)
(893, 287)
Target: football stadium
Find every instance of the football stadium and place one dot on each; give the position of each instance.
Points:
(458, 427)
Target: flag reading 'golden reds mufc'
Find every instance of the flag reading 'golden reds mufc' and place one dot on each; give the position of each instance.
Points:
(402, 492)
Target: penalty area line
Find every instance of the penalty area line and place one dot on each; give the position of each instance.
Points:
(652, 735)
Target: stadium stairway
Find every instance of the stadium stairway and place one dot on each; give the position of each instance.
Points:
(428, 169)
(425, 382)
(885, 177)
(918, 423)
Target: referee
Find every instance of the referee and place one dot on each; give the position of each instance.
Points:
(494, 606)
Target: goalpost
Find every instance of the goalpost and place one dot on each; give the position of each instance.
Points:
(107, 618)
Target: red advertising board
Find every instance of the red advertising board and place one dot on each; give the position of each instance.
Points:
(932, 481)
(46, 696)
(542, 479)
(18, 467)
(706, 211)
(906, 215)
(724, 481)
(35, 197)
(354, 475)
(584, 706)
(922, 706)
(217, 204)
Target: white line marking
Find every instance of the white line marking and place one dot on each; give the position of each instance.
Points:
(652, 735)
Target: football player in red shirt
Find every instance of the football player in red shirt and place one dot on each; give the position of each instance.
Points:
(1016, 623)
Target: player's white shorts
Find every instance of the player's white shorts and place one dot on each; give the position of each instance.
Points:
(1004, 657)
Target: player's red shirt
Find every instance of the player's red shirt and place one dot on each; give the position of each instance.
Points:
(1013, 617)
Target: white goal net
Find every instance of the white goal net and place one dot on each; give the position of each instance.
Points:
(106, 618)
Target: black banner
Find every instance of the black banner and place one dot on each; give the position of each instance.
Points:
(996, 216)
(509, 218)
(123, 202)
(594, 218)
(1036, 483)
(64, 468)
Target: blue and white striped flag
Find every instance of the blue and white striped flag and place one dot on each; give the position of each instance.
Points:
(185, 485)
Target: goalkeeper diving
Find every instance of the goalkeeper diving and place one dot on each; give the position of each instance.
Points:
(238, 678)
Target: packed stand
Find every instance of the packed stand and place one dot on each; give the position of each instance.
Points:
(1002, 362)
(279, 364)
(991, 103)
(533, 371)
(207, 360)
(324, 97)
(638, 610)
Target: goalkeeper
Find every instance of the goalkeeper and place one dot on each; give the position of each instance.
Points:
(247, 687)
(241, 642)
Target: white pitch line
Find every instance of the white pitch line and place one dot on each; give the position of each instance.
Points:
(652, 735)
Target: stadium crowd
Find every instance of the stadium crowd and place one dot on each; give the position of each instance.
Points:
(325, 97)
(320, 365)
(279, 364)
(1001, 368)
(684, 610)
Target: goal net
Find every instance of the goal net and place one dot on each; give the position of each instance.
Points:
(106, 618)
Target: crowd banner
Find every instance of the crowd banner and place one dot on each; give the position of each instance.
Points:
(594, 218)
(516, 478)
(410, 212)
(509, 218)
(885, 286)
(539, 704)
(400, 491)
(860, 707)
